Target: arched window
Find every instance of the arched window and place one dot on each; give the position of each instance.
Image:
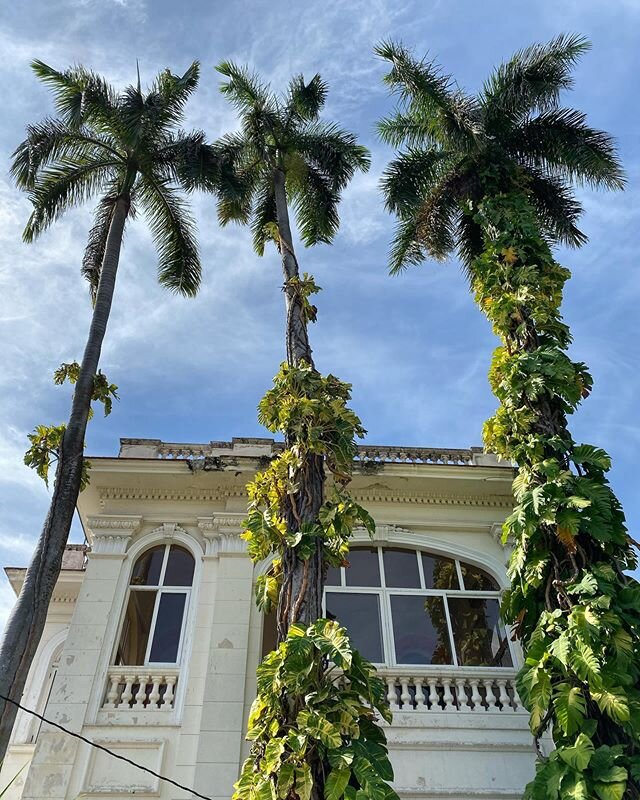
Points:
(153, 626)
(413, 607)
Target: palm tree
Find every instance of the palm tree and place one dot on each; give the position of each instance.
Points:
(126, 150)
(492, 178)
(284, 154)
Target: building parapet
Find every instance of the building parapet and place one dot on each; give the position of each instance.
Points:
(266, 448)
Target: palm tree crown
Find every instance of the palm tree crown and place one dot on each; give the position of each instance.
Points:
(118, 145)
(455, 144)
(284, 134)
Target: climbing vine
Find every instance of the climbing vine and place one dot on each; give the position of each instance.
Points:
(313, 724)
(46, 440)
(571, 604)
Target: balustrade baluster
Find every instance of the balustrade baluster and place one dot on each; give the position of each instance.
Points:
(434, 698)
(503, 695)
(392, 697)
(461, 694)
(447, 696)
(154, 695)
(129, 680)
(491, 698)
(112, 695)
(405, 696)
(476, 697)
(141, 694)
(517, 700)
(421, 697)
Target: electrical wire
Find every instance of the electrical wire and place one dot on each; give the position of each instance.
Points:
(104, 749)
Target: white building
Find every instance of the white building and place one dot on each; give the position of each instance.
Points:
(153, 638)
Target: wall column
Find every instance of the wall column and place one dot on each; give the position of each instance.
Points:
(78, 669)
(222, 721)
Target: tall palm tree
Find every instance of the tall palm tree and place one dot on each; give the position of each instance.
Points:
(284, 154)
(125, 149)
(492, 178)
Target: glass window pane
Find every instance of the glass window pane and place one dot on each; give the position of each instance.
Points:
(180, 566)
(364, 568)
(439, 572)
(135, 631)
(401, 568)
(166, 636)
(360, 615)
(477, 579)
(333, 576)
(478, 635)
(147, 569)
(420, 630)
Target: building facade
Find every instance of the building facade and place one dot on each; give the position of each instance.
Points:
(153, 637)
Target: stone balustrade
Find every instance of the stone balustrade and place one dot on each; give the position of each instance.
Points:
(254, 447)
(140, 689)
(474, 690)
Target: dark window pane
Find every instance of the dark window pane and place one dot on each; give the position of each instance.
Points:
(439, 572)
(180, 566)
(364, 568)
(269, 633)
(333, 576)
(477, 579)
(147, 569)
(479, 638)
(420, 630)
(401, 568)
(360, 615)
(166, 636)
(135, 631)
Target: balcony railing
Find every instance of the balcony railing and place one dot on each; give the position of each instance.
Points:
(140, 689)
(463, 690)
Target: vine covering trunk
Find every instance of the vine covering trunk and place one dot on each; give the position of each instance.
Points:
(571, 604)
(26, 623)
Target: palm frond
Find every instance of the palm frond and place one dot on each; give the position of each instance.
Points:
(97, 241)
(438, 216)
(333, 152)
(409, 176)
(243, 87)
(175, 90)
(557, 208)
(53, 139)
(61, 186)
(406, 249)
(263, 215)
(81, 96)
(305, 100)
(316, 205)
(532, 79)
(173, 232)
(429, 95)
(561, 139)
(404, 129)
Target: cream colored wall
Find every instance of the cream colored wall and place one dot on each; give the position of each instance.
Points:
(132, 504)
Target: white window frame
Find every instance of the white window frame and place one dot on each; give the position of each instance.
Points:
(159, 589)
(384, 593)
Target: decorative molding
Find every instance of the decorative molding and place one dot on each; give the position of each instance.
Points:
(223, 493)
(496, 534)
(221, 532)
(110, 533)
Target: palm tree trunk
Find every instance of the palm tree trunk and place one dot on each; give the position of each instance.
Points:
(26, 623)
(302, 581)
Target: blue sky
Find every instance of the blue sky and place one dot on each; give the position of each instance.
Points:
(415, 347)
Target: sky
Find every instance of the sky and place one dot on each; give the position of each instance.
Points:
(414, 347)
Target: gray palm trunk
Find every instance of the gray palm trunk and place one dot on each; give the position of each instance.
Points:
(27, 620)
(300, 597)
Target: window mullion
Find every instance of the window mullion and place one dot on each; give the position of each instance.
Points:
(454, 655)
(152, 627)
(423, 583)
(388, 638)
(163, 568)
(383, 578)
(459, 572)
